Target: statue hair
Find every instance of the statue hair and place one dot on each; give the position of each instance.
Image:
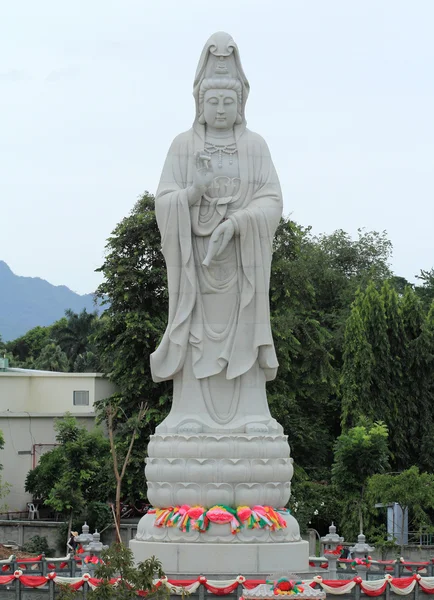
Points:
(221, 83)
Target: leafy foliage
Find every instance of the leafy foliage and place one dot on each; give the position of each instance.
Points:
(118, 562)
(38, 544)
(411, 489)
(135, 296)
(359, 453)
(75, 335)
(76, 472)
(52, 358)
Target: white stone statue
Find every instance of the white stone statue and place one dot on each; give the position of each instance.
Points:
(217, 206)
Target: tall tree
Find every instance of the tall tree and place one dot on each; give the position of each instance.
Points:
(356, 374)
(375, 325)
(27, 348)
(416, 411)
(426, 290)
(398, 442)
(75, 336)
(360, 452)
(52, 358)
(135, 296)
(74, 473)
(301, 398)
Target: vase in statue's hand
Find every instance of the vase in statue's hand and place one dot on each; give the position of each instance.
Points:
(219, 239)
(202, 177)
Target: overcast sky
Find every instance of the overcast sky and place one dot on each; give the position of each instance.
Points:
(93, 92)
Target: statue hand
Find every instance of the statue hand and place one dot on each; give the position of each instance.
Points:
(220, 238)
(204, 173)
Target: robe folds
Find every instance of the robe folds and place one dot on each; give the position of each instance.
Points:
(255, 210)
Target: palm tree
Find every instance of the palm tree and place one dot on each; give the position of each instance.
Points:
(74, 337)
(52, 358)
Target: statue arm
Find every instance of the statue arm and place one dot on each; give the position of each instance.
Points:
(266, 203)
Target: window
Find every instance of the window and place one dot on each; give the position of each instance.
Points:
(81, 398)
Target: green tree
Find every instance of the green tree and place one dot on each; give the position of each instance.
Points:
(356, 374)
(134, 294)
(398, 440)
(426, 291)
(416, 411)
(338, 266)
(88, 362)
(313, 503)
(410, 489)
(126, 434)
(118, 562)
(301, 398)
(76, 472)
(360, 452)
(27, 348)
(52, 358)
(75, 336)
(376, 328)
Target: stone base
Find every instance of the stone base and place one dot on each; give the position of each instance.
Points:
(217, 533)
(238, 559)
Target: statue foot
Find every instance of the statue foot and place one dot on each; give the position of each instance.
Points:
(256, 428)
(190, 427)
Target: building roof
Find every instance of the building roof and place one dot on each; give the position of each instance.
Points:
(35, 373)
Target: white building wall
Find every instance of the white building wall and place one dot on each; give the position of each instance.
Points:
(30, 401)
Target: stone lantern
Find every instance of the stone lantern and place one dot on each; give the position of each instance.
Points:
(85, 537)
(361, 551)
(92, 546)
(330, 542)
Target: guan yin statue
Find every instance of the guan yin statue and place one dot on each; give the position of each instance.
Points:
(219, 467)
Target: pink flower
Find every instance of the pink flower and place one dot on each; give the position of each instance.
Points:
(195, 512)
(244, 513)
(219, 515)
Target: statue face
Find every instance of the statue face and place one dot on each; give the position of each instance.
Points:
(220, 108)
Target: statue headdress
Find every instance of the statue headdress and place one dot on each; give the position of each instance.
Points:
(220, 58)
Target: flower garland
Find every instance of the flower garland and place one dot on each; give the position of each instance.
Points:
(197, 518)
(403, 586)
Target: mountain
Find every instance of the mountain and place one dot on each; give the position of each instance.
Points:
(26, 302)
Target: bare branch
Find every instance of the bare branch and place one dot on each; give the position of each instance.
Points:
(112, 442)
(142, 411)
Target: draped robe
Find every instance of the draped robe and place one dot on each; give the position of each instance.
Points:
(192, 348)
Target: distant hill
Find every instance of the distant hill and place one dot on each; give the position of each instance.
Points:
(26, 302)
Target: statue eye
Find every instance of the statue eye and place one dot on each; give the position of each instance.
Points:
(213, 101)
(228, 101)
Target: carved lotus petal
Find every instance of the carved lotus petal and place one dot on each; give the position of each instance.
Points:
(186, 493)
(160, 494)
(218, 493)
(235, 470)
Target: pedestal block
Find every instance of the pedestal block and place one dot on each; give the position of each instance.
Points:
(208, 469)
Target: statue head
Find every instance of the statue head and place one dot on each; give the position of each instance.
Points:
(219, 71)
(220, 102)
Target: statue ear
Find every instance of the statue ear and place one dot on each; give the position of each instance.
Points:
(201, 119)
(239, 119)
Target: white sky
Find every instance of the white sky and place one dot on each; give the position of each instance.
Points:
(93, 92)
